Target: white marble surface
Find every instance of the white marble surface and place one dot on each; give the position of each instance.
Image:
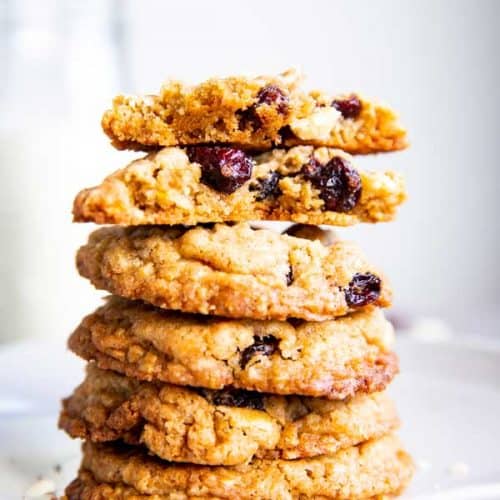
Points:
(448, 394)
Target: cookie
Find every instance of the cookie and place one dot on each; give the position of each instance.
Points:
(227, 427)
(233, 271)
(252, 113)
(220, 184)
(370, 470)
(333, 359)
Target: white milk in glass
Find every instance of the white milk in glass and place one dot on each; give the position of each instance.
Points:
(58, 80)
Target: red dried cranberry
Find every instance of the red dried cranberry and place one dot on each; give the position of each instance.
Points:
(238, 398)
(273, 95)
(267, 187)
(338, 183)
(349, 107)
(363, 289)
(270, 95)
(223, 169)
(264, 346)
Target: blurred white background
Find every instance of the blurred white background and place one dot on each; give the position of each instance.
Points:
(434, 60)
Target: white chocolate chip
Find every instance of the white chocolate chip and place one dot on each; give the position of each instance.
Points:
(459, 470)
(317, 126)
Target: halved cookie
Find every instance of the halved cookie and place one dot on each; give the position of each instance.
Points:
(220, 184)
(253, 113)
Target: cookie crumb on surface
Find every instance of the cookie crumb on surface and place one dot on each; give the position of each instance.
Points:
(42, 488)
(459, 470)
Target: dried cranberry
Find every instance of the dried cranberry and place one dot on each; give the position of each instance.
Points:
(270, 95)
(363, 289)
(223, 169)
(339, 184)
(239, 398)
(349, 107)
(267, 187)
(265, 346)
(273, 95)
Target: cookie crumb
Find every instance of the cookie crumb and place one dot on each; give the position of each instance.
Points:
(430, 330)
(458, 470)
(423, 464)
(42, 488)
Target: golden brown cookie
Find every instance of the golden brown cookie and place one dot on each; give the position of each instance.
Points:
(220, 184)
(233, 271)
(371, 470)
(227, 427)
(333, 359)
(253, 113)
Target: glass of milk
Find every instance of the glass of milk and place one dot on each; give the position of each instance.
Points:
(59, 72)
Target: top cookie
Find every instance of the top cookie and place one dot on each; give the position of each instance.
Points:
(252, 113)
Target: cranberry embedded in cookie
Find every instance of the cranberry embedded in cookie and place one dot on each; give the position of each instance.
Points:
(349, 107)
(223, 169)
(262, 346)
(271, 95)
(267, 187)
(363, 289)
(238, 398)
(338, 183)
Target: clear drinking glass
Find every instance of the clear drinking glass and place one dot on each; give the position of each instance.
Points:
(60, 67)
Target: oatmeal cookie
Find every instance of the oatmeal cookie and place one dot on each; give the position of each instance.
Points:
(233, 271)
(226, 427)
(220, 184)
(333, 359)
(252, 113)
(371, 470)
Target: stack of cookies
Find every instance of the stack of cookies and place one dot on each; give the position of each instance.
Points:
(234, 361)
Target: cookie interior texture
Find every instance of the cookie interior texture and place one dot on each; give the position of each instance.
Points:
(303, 184)
(252, 113)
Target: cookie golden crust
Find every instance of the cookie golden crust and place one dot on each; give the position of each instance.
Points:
(252, 113)
(166, 187)
(373, 469)
(232, 271)
(333, 359)
(228, 427)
